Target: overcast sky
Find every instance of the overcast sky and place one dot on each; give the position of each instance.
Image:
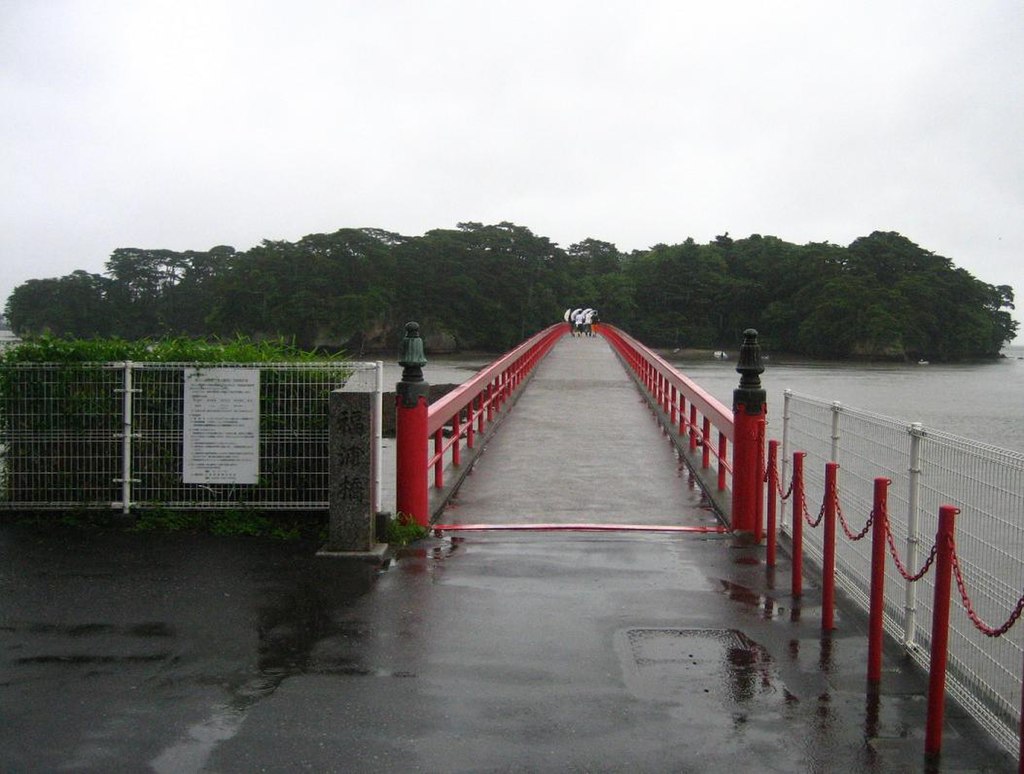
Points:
(194, 123)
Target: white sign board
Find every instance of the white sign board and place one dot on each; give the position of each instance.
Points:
(221, 426)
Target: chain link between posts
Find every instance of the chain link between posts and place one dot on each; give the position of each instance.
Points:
(986, 629)
(807, 515)
(774, 469)
(846, 527)
(980, 625)
(912, 577)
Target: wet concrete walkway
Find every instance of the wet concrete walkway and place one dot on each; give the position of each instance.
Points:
(581, 446)
(487, 651)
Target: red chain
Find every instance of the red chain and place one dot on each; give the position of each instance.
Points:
(981, 626)
(774, 468)
(807, 515)
(788, 492)
(846, 528)
(899, 564)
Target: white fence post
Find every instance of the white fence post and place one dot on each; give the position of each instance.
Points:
(916, 431)
(837, 409)
(126, 440)
(783, 512)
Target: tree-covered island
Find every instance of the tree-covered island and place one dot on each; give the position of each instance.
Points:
(486, 287)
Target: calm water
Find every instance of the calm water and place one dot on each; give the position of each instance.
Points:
(982, 401)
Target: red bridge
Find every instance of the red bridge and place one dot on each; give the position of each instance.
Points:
(609, 438)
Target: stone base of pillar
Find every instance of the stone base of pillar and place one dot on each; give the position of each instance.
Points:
(378, 554)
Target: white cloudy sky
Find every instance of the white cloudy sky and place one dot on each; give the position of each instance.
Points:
(192, 123)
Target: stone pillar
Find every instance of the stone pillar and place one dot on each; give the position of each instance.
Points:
(351, 531)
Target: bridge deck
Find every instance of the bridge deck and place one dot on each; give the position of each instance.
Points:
(622, 651)
(581, 446)
(483, 651)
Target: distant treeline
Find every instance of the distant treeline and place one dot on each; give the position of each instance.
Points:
(486, 287)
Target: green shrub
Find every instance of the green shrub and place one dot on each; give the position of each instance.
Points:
(404, 530)
(61, 426)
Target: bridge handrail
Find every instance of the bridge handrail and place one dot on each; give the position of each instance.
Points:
(475, 402)
(441, 412)
(709, 407)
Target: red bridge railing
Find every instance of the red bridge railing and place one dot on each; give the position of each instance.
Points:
(714, 438)
(707, 428)
(454, 423)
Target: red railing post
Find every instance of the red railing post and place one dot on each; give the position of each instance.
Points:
(876, 608)
(773, 499)
(750, 408)
(705, 432)
(438, 459)
(797, 582)
(723, 451)
(456, 438)
(828, 565)
(411, 430)
(940, 631)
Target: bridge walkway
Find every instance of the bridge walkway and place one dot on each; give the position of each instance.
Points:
(611, 651)
(581, 446)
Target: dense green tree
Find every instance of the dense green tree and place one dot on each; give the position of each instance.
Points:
(74, 305)
(487, 287)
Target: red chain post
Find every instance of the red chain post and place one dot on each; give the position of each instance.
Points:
(876, 608)
(940, 631)
(828, 567)
(773, 499)
(797, 583)
(411, 430)
(750, 408)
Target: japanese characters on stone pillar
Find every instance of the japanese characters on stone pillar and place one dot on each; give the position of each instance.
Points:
(352, 521)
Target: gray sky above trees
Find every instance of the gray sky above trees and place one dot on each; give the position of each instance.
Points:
(191, 123)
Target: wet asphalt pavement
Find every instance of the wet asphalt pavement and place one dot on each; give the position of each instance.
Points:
(484, 652)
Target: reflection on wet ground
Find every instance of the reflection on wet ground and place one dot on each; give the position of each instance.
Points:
(185, 653)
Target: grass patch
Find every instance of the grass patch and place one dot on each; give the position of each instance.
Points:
(404, 530)
(290, 525)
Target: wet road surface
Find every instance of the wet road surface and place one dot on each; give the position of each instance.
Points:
(484, 652)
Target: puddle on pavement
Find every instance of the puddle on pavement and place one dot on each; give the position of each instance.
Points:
(697, 668)
(293, 618)
(193, 750)
(759, 604)
(427, 559)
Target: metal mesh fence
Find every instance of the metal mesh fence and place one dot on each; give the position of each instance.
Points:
(927, 469)
(112, 435)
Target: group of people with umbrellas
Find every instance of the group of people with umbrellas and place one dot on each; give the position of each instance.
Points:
(582, 320)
